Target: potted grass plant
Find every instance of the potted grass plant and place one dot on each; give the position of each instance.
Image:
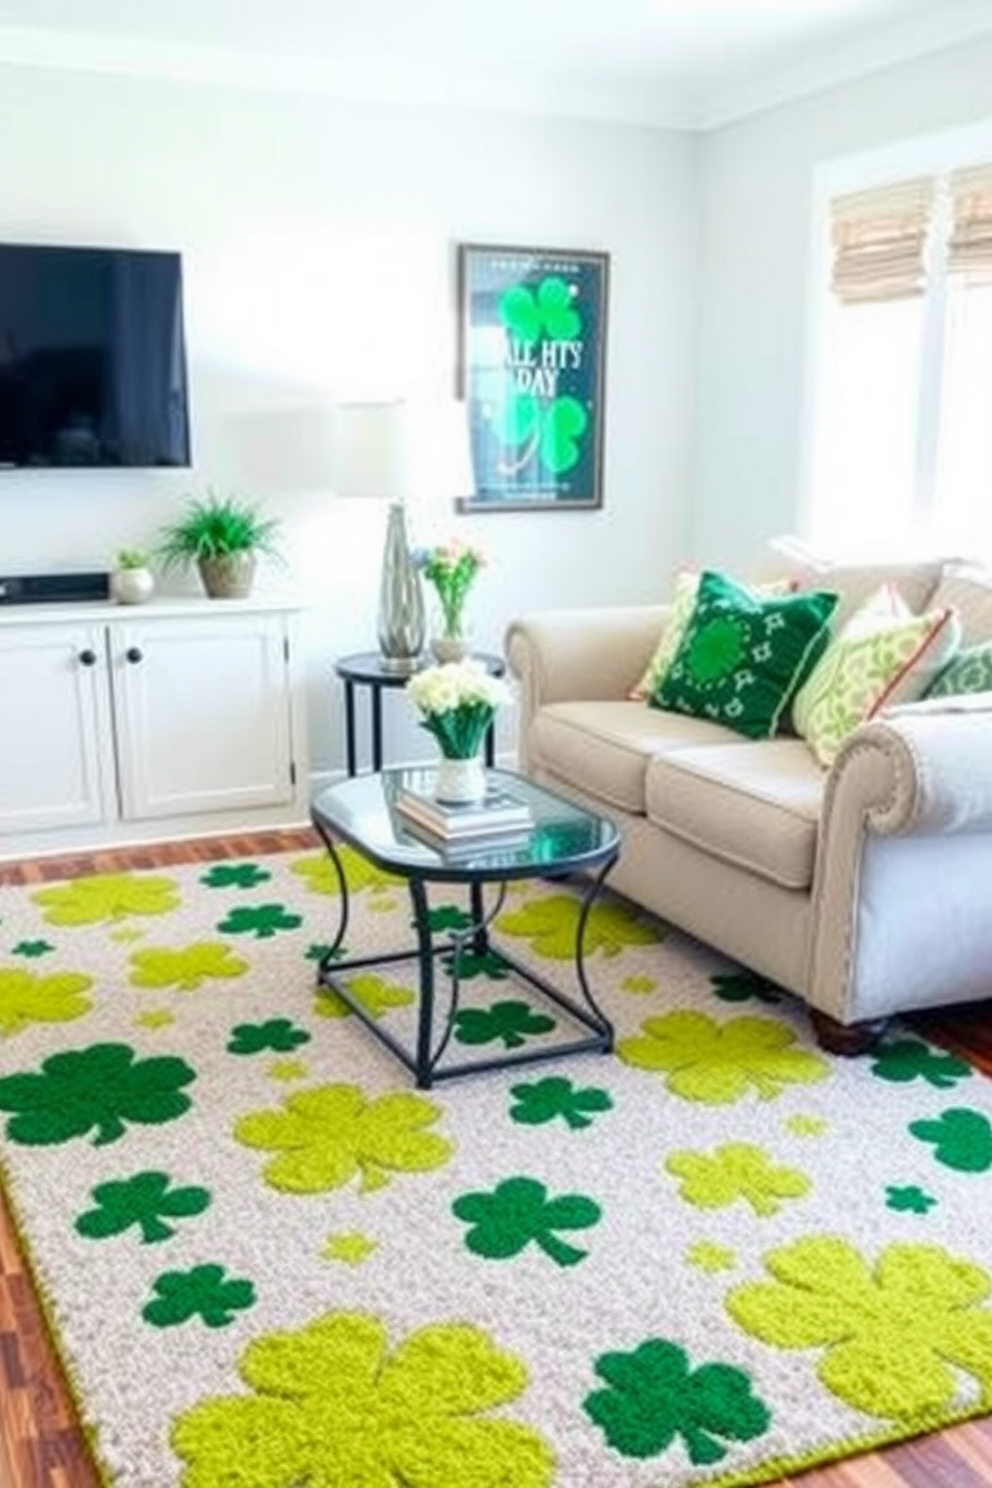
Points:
(222, 537)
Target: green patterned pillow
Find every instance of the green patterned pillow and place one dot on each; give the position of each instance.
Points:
(742, 655)
(871, 663)
(970, 671)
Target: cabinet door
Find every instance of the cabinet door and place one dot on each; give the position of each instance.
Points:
(56, 742)
(202, 711)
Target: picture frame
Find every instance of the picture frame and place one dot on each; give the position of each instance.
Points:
(532, 326)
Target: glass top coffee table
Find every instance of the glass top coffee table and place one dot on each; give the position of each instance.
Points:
(563, 840)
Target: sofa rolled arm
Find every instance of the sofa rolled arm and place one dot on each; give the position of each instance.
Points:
(925, 767)
(916, 781)
(581, 655)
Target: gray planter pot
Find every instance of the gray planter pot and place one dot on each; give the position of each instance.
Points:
(229, 577)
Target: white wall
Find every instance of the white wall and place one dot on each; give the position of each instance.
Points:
(755, 196)
(319, 259)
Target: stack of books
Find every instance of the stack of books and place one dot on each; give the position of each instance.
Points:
(499, 818)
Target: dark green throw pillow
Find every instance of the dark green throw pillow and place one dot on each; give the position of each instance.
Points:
(743, 655)
(969, 671)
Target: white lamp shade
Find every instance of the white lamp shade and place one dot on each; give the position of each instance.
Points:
(412, 451)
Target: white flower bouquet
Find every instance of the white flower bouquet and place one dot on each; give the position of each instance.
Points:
(458, 702)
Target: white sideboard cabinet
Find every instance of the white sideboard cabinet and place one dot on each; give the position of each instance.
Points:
(125, 724)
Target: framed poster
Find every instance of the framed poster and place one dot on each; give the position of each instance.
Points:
(532, 371)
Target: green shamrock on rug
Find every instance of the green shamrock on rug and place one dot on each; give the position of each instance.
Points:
(903, 1060)
(511, 1023)
(317, 872)
(718, 1063)
(519, 1211)
(261, 920)
(545, 1100)
(107, 896)
(891, 1331)
(961, 1139)
(550, 924)
(105, 1086)
(275, 1035)
(146, 1200)
(185, 968)
(26, 998)
(329, 1135)
(376, 995)
(331, 1404)
(234, 875)
(736, 1170)
(653, 1396)
(203, 1292)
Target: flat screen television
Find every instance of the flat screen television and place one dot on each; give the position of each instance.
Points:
(92, 358)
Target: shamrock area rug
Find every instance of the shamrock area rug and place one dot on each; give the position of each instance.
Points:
(268, 1261)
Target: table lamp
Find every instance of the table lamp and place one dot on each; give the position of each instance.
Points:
(407, 452)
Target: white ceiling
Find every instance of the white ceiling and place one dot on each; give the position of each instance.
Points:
(679, 63)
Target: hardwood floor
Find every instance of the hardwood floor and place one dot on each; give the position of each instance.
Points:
(41, 1445)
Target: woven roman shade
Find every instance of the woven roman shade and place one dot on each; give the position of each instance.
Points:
(879, 236)
(969, 249)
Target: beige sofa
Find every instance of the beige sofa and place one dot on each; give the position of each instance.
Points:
(866, 889)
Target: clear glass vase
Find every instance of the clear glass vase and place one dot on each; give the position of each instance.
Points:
(449, 637)
(460, 781)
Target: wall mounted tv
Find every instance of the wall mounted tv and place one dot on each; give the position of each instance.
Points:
(92, 358)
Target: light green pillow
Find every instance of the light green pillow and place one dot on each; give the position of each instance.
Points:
(743, 655)
(871, 662)
(969, 671)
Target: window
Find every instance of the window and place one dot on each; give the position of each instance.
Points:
(902, 440)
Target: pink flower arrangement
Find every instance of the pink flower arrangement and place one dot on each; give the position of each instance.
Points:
(451, 568)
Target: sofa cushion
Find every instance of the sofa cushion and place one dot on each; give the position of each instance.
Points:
(604, 748)
(967, 588)
(756, 805)
(873, 662)
(743, 655)
(969, 671)
(683, 603)
(854, 583)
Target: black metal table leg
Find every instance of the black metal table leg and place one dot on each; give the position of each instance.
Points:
(376, 729)
(490, 746)
(349, 726)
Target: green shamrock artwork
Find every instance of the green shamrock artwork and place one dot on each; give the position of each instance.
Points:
(743, 986)
(30, 949)
(519, 1212)
(471, 964)
(105, 1086)
(26, 998)
(550, 923)
(107, 896)
(279, 1035)
(317, 872)
(261, 920)
(909, 1200)
(204, 1292)
(234, 876)
(893, 1334)
(186, 968)
(147, 1200)
(736, 1171)
(327, 1136)
(510, 1023)
(719, 1063)
(547, 310)
(961, 1139)
(903, 1060)
(376, 995)
(556, 1097)
(653, 1397)
(333, 1404)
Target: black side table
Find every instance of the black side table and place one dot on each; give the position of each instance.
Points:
(367, 670)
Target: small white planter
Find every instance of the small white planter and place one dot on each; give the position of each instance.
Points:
(460, 781)
(132, 585)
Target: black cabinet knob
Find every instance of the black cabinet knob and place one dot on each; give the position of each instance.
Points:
(134, 654)
(87, 657)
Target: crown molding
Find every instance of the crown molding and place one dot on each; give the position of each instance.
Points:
(575, 98)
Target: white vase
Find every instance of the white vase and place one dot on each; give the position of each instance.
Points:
(460, 781)
(132, 585)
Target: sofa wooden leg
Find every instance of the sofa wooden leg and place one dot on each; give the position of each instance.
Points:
(846, 1038)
